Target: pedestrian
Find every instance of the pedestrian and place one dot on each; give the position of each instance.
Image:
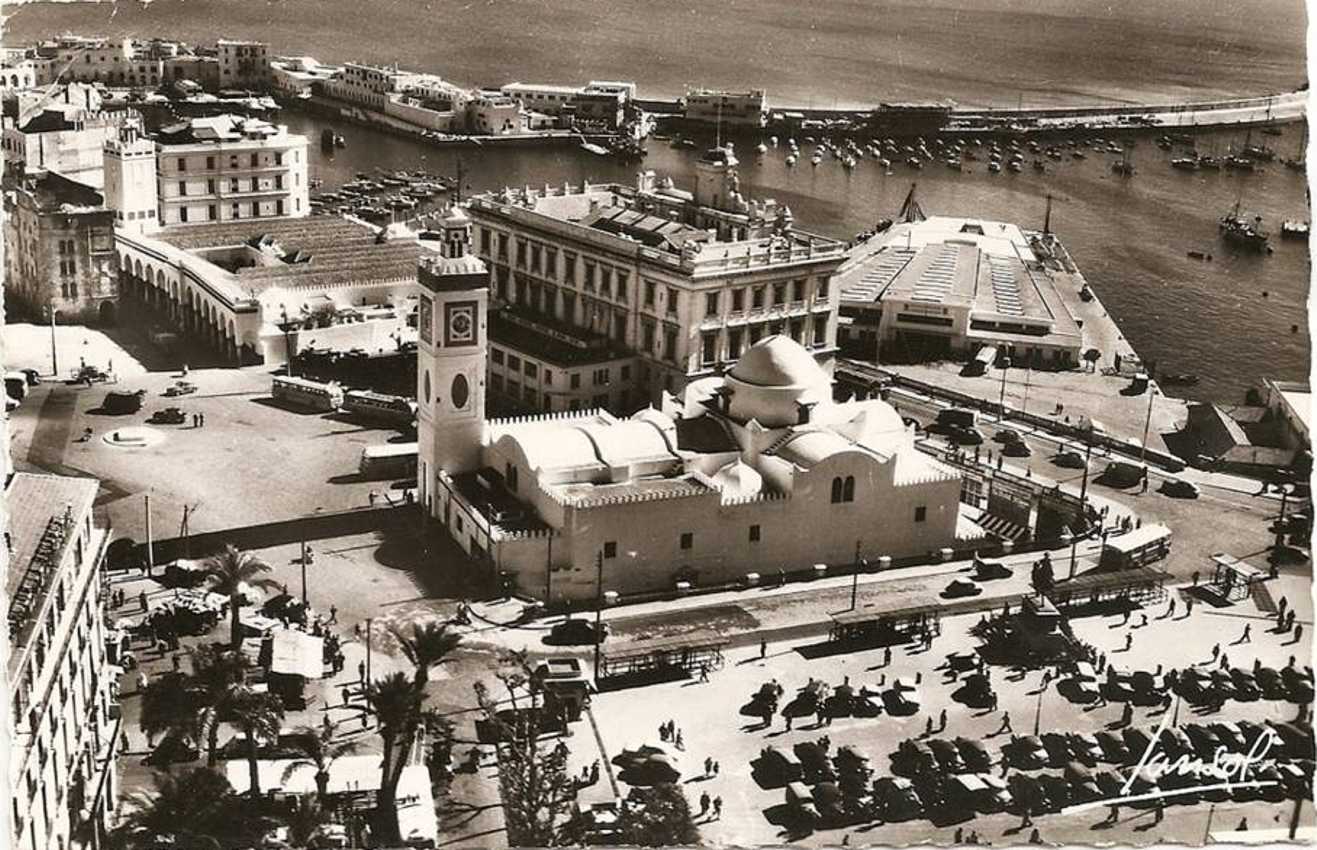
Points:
(1284, 603)
(1026, 821)
(887, 656)
(919, 676)
(1216, 651)
(717, 808)
(1289, 620)
(333, 614)
(1290, 664)
(928, 727)
(178, 663)
(1129, 640)
(1159, 813)
(1195, 577)
(1170, 609)
(1298, 633)
(1102, 662)
(1188, 606)
(347, 695)
(1124, 621)
(704, 802)
(846, 840)
(708, 766)
(1225, 661)
(361, 670)
(959, 836)
(1114, 815)
(1243, 825)
(973, 837)
(790, 720)
(141, 597)
(1247, 636)
(942, 720)
(1035, 838)
(716, 768)
(1143, 621)
(763, 649)
(704, 672)
(681, 745)
(992, 702)
(1127, 715)
(1005, 723)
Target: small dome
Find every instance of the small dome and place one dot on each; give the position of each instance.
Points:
(738, 479)
(778, 361)
(455, 217)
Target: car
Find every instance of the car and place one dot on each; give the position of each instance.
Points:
(977, 691)
(913, 758)
(1113, 748)
(987, 570)
(1006, 435)
(1297, 780)
(1205, 742)
(576, 631)
(1083, 787)
(180, 388)
(1028, 791)
(974, 754)
(1110, 783)
(1270, 683)
(964, 436)
(959, 588)
(911, 422)
(1025, 752)
(948, 757)
(1295, 741)
(1057, 789)
(1246, 686)
(1178, 488)
(779, 766)
(1175, 742)
(902, 699)
(1016, 449)
(895, 799)
(168, 416)
(1081, 686)
(1230, 735)
(814, 759)
(1136, 739)
(32, 375)
(1085, 748)
(1273, 788)
(1298, 688)
(1057, 747)
(1193, 686)
(1222, 686)
(1069, 460)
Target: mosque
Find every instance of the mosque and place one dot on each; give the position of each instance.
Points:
(748, 474)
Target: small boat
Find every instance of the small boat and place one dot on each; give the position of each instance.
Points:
(763, 148)
(1185, 163)
(1209, 163)
(1239, 231)
(885, 162)
(1294, 229)
(1016, 166)
(1079, 155)
(1239, 163)
(791, 160)
(597, 150)
(915, 162)
(994, 167)
(1199, 255)
(954, 164)
(1182, 378)
(339, 141)
(816, 159)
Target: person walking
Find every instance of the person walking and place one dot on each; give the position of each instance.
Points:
(1188, 606)
(708, 765)
(1298, 632)
(763, 649)
(141, 597)
(704, 803)
(1283, 605)
(680, 744)
(1026, 821)
(1225, 661)
(1129, 640)
(1114, 815)
(1170, 609)
(1247, 636)
(1005, 723)
(942, 720)
(361, 671)
(1216, 651)
(887, 656)
(1127, 715)
(928, 727)
(1125, 621)
(718, 808)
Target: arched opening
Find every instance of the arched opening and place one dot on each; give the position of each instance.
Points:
(107, 313)
(836, 490)
(848, 489)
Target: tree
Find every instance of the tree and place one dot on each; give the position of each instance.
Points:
(195, 807)
(229, 573)
(258, 716)
(396, 702)
(429, 645)
(536, 789)
(319, 751)
(1092, 356)
(658, 816)
(189, 705)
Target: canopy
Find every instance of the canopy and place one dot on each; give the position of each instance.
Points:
(298, 653)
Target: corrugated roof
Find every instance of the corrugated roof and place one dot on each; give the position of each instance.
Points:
(33, 501)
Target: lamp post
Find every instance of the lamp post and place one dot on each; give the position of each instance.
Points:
(1147, 423)
(1001, 401)
(598, 610)
(54, 358)
(1088, 454)
(288, 340)
(855, 574)
(1038, 711)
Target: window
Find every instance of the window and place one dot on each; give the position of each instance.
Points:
(822, 292)
(650, 286)
(278, 157)
(548, 377)
(279, 207)
(589, 277)
(798, 290)
(687, 540)
(672, 301)
(532, 371)
(182, 213)
(600, 400)
(210, 186)
(820, 331)
(738, 300)
(514, 362)
(182, 189)
(848, 489)
(606, 282)
(670, 344)
(711, 304)
(551, 262)
(836, 490)
(921, 513)
(278, 181)
(502, 246)
(734, 343)
(496, 354)
(779, 293)
(212, 212)
(709, 349)
(182, 164)
(521, 253)
(484, 241)
(647, 336)
(496, 382)
(575, 380)
(233, 184)
(797, 329)
(255, 160)
(535, 255)
(569, 268)
(622, 279)
(210, 163)
(600, 377)
(754, 534)
(610, 549)
(626, 373)
(757, 297)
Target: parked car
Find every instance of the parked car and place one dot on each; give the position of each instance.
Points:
(1026, 752)
(1136, 739)
(1246, 686)
(902, 699)
(168, 416)
(1298, 687)
(1230, 736)
(1113, 748)
(1057, 789)
(948, 757)
(978, 793)
(1180, 489)
(913, 758)
(1085, 748)
(1057, 747)
(895, 799)
(1028, 791)
(1082, 685)
(1069, 460)
(964, 436)
(800, 803)
(1205, 742)
(974, 754)
(961, 587)
(987, 570)
(1017, 449)
(779, 766)
(1006, 435)
(1270, 683)
(1083, 787)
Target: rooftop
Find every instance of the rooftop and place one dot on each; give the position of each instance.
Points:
(324, 251)
(218, 128)
(56, 193)
(551, 341)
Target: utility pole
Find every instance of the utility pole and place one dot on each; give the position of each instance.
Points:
(855, 575)
(1038, 712)
(1001, 401)
(1294, 818)
(54, 358)
(1207, 833)
(150, 547)
(368, 631)
(306, 557)
(1147, 424)
(183, 532)
(598, 610)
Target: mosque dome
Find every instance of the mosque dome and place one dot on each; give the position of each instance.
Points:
(773, 379)
(738, 479)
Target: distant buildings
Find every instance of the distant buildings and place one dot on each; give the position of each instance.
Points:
(708, 490)
(59, 240)
(1290, 406)
(730, 109)
(945, 287)
(686, 281)
(63, 724)
(243, 64)
(134, 63)
(599, 102)
(295, 76)
(62, 131)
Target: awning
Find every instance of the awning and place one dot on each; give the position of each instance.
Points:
(298, 653)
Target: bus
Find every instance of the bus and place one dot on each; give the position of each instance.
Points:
(1137, 548)
(312, 395)
(981, 362)
(378, 406)
(388, 460)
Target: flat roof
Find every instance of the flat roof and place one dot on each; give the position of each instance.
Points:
(335, 250)
(552, 344)
(1103, 581)
(1138, 538)
(34, 500)
(696, 639)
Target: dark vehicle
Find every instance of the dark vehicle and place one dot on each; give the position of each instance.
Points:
(1058, 749)
(1295, 742)
(1274, 789)
(778, 766)
(1085, 748)
(1270, 683)
(1297, 778)
(1230, 736)
(913, 758)
(1136, 739)
(1069, 460)
(974, 754)
(1175, 743)
(1205, 742)
(1057, 790)
(800, 802)
(1193, 686)
(895, 799)
(964, 436)
(180, 388)
(1222, 687)
(125, 402)
(1298, 687)
(948, 757)
(815, 762)
(576, 631)
(1178, 488)
(976, 692)
(1110, 783)
(1113, 748)
(32, 375)
(168, 416)
(1083, 787)
(960, 587)
(1006, 435)
(1028, 791)
(957, 417)
(1016, 449)
(1246, 686)
(1026, 753)
(987, 570)
(829, 801)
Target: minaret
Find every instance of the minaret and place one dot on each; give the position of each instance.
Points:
(451, 352)
(130, 181)
(713, 177)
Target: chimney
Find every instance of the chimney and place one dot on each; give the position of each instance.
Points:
(803, 409)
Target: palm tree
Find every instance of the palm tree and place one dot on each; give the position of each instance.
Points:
(231, 570)
(195, 807)
(396, 701)
(188, 706)
(429, 645)
(319, 751)
(258, 715)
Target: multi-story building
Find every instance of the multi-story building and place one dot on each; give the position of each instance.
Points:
(18, 70)
(946, 287)
(226, 168)
(60, 257)
(551, 366)
(686, 281)
(731, 110)
(296, 75)
(64, 132)
(121, 62)
(600, 101)
(492, 113)
(63, 720)
(243, 64)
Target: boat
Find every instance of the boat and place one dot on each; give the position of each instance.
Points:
(1123, 167)
(1038, 165)
(885, 162)
(1294, 229)
(1185, 163)
(791, 159)
(1182, 378)
(1242, 233)
(1239, 163)
(1199, 255)
(763, 148)
(1209, 163)
(994, 167)
(1016, 166)
(848, 163)
(816, 159)
(597, 150)
(1079, 155)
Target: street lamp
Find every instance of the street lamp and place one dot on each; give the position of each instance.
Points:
(1088, 454)
(855, 574)
(54, 361)
(1147, 423)
(1038, 711)
(598, 609)
(288, 340)
(1001, 401)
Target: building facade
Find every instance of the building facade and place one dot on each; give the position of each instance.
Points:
(686, 281)
(63, 718)
(732, 110)
(64, 133)
(243, 64)
(537, 364)
(227, 168)
(60, 256)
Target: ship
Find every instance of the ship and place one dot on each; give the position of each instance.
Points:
(1242, 233)
(1185, 163)
(1294, 229)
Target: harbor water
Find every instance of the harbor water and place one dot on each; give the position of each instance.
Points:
(1233, 320)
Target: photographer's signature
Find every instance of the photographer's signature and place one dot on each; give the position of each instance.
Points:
(1225, 771)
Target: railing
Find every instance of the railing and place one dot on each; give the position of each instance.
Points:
(43, 565)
